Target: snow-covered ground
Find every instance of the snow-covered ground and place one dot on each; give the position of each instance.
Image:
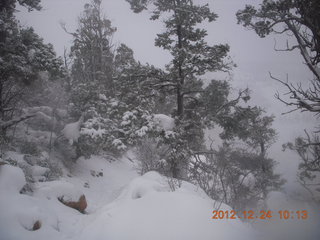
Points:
(121, 206)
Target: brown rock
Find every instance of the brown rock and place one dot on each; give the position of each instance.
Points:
(80, 205)
(36, 225)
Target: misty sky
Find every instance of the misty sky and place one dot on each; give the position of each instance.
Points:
(255, 57)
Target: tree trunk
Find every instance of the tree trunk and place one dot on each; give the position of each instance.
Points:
(180, 103)
(180, 107)
(1, 103)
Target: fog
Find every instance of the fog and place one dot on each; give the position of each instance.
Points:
(254, 57)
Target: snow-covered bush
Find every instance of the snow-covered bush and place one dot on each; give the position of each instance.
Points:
(30, 148)
(151, 156)
(178, 152)
(234, 176)
(96, 131)
(35, 168)
(164, 149)
(110, 127)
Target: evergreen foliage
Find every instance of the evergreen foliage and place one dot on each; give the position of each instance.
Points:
(23, 56)
(300, 19)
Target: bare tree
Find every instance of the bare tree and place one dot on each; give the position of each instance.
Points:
(300, 19)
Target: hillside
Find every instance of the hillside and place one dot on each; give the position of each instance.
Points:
(121, 205)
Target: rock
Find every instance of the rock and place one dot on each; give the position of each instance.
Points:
(36, 225)
(80, 205)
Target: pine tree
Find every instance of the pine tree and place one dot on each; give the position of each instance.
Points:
(192, 57)
(92, 57)
(249, 125)
(109, 88)
(23, 55)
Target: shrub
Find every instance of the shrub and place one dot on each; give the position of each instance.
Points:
(30, 148)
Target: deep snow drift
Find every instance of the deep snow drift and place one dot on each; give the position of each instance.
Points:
(121, 206)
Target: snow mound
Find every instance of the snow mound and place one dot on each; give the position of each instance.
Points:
(146, 184)
(17, 222)
(101, 190)
(57, 189)
(148, 209)
(121, 207)
(38, 172)
(71, 131)
(165, 122)
(12, 179)
(20, 212)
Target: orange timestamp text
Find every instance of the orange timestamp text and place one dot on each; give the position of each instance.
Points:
(263, 214)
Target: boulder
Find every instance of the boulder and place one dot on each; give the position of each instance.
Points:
(36, 225)
(80, 205)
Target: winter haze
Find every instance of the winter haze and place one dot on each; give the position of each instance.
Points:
(255, 57)
(159, 119)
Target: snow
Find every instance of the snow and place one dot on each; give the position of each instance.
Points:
(169, 134)
(248, 180)
(119, 144)
(17, 221)
(19, 212)
(101, 190)
(39, 136)
(141, 186)
(12, 179)
(15, 156)
(121, 205)
(39, 172)
(102, 97)
(148, 209)
(44, 109)
(128, 115)
(142, 131)
(57, 189)
(71, 131)
(165, 122)
(94, 133)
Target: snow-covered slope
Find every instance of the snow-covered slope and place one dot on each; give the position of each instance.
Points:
(148, 209)
(121, 206)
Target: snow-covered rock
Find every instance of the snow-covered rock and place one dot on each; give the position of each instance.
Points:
(38, 172)
(19, 212)
(71, 131)
(57, 189)
(12, 179)
(164, 122)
